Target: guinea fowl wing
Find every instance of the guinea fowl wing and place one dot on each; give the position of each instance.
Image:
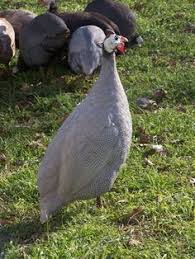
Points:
(81, 155)
(89, 157)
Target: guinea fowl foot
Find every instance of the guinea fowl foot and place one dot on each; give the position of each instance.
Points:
(99, 202)
(43, 216)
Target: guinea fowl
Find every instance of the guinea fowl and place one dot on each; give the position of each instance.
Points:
(18, 19)
(78, 19)
(83, 160)
(120, 14)
(74, 20)
(7, 42)
(86, 56)
(41, 39)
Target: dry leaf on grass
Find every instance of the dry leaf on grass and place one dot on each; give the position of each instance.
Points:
(177, 141)
(159, 149)
(159, 95)
(190, 28)
(172, 63)
(122, 201)
(44, 2)
(4, 222)
(39, 136)
(179, 15)
(148, 161)
(146, 103)
(192, 181)
(132, 217)
(37, 144)
(181, 108)
(143, 136)
(134, 242)
(2, 157)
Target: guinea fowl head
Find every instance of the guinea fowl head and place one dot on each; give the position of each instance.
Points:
(114, 43)
(50, 4)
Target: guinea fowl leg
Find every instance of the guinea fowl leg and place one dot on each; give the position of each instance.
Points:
(98, 202)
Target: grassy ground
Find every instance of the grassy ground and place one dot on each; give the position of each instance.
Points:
(150, 211)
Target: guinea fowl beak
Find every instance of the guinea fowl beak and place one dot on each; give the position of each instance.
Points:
(123, 39)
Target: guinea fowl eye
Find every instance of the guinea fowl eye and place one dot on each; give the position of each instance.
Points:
(116, 38)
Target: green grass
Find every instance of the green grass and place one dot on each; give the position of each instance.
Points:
(33, 106)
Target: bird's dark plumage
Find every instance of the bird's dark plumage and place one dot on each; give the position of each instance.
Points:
(78, 19)
(117, 12)
(42, 38)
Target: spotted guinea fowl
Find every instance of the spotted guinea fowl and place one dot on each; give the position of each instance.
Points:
(41, 39)
(120, 14)
(18, 19)
(84, 52)
(7, 41)
(83, 160)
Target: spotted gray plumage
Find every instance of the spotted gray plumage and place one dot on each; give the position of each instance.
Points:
(84, 157)
(42, 38)
(84, 52)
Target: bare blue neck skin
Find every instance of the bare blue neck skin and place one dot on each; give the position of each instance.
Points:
(108, 64)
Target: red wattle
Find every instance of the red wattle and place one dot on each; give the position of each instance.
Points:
(121, 48)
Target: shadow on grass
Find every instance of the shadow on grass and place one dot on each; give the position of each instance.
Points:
(30, 231)
(26, 86)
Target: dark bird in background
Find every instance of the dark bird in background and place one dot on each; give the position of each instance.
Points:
(7, 42)
(41, 39)
(18, 19)
(121, 15)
